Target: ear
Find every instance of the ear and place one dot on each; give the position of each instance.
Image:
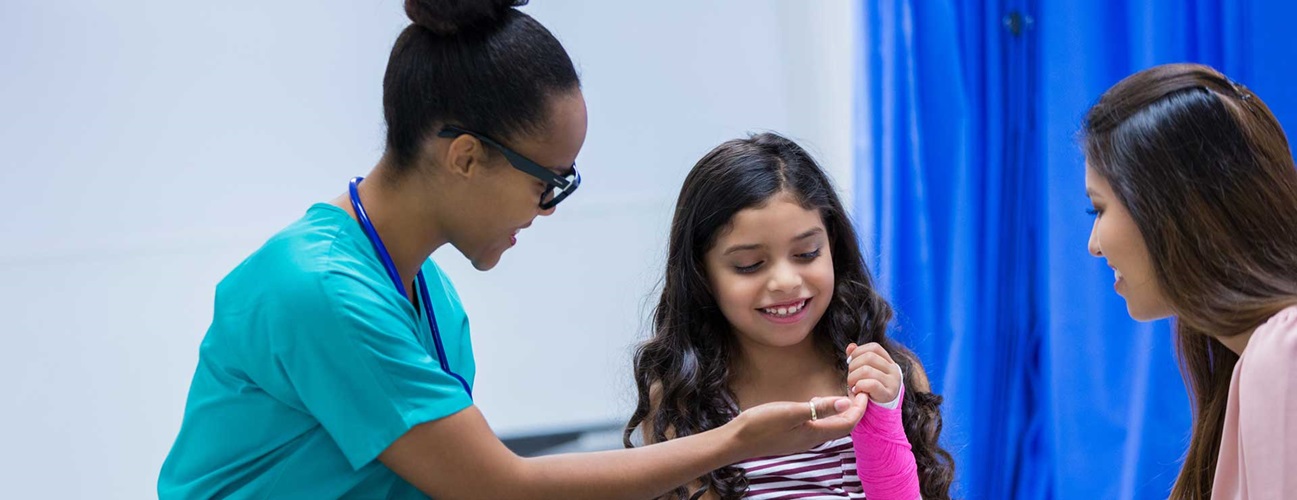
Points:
(464, 157)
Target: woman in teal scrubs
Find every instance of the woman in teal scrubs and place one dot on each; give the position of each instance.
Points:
(338, 363)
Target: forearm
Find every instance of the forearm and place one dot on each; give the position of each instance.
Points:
(458, 457)
(884, 460)
(645, 472)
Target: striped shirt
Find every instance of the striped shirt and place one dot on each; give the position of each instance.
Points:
(827, 471)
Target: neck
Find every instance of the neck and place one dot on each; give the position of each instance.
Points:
(765, 373)
(400, 213)
(1237, 342)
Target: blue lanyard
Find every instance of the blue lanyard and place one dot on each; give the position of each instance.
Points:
(396, 279)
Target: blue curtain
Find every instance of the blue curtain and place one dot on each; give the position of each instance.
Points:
(975, 191)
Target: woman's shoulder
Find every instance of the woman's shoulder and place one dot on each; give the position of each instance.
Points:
(1271, 353)
(1264, 429)
(315, 268)
(320, 242)
(1279, 332)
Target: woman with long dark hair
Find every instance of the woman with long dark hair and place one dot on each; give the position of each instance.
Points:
(1195, 201)
(765, 298)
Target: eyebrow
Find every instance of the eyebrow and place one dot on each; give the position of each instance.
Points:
(754, 246)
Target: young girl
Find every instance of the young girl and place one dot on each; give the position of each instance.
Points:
(765, 296)
(1195, 204)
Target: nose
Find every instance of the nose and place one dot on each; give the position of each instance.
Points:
(1095, 249)
(784, 277)
(546, 212)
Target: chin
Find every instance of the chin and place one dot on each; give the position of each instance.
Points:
(487, 263)
(483, 260)
(785, 339)
(1146, 314)
(794, 342)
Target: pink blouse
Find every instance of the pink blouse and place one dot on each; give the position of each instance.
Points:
(1258, 449)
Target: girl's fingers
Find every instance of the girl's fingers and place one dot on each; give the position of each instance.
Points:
(865, 372)
(870, 359)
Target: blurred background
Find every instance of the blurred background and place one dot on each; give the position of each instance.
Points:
(149, 146)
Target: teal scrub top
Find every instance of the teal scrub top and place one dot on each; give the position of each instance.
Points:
(313, 365)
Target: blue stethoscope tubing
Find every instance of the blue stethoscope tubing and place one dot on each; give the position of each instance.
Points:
(381, 249)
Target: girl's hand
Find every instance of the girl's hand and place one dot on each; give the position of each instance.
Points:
(871, 371)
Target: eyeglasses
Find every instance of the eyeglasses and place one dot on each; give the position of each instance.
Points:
(557, 187)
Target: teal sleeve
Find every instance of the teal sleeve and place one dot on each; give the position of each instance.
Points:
(351, 354)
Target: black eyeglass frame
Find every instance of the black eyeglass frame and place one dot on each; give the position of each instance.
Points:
(565, 184)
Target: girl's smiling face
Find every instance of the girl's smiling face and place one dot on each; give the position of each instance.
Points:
(771, 272)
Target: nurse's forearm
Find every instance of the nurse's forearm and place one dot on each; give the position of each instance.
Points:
(645, 472)
(458, 457)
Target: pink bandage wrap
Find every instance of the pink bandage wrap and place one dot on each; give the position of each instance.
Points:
(884, 460)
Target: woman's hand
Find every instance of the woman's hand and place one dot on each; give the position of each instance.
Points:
(871, 371)
(787, 427)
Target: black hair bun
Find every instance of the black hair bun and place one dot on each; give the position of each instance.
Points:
(451, 17)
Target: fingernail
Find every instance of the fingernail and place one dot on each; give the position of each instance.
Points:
(841, 405)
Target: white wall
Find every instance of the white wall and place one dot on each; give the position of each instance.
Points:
(148, 146)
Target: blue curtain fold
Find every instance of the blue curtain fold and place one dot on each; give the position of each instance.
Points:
(974, 184)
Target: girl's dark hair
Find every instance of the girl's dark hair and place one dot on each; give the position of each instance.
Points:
(1205, 171)
(478, 64)
(687, 362)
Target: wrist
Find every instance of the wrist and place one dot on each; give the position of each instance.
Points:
(890, 405)
(730, 446)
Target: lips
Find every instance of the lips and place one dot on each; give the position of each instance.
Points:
(513, 237)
